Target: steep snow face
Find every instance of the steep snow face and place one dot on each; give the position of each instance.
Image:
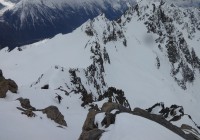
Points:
(176, 33)
(134, 54)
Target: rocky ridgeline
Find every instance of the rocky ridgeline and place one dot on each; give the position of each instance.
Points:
(6, 85)
(95, 73)
(90, 81)
(173, 26)
(175, 113)
(92, 131)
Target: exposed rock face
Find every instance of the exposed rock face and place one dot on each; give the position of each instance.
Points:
(5, 85)
(25, 103)
(116, 96)
(108, 107)
(175, 113)
(12, 86)
(89, 122)
(3, 89)
(1, 73)
(54, 114)
(162, 121)
(90, 130)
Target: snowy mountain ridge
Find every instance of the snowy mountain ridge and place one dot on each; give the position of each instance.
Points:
(130, 62)
(30, 21)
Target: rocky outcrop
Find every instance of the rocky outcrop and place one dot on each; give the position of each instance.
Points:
(162, 121)
(172, 113)
(89, 122)
(116, 96)
(5, 85)
(25, 103)
(90, 130)
(108, 107)
(175, 113)
(54, 114)
(93, 129)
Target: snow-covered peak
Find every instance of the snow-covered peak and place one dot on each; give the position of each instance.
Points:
(6, 6)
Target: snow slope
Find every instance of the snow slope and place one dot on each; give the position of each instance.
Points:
(101, 54)
(137, 128)
(7, 5)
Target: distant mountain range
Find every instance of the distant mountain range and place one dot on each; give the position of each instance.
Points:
(27, 21)
(30, 21)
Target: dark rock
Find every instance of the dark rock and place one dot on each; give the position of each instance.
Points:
(116, 96)
(54, 114)
(5, 85)
(89, 122)
(90, 131)
(108, 107)
(45, 87)
(162, 121)
(25, 103)
(108, 120)
(3, 88)
(94, 134)
(174, 111)
(1, 73)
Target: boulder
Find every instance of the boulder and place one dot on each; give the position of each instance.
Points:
(54, 114)
(90, 130)
(5, 85)
(25, 103)
(116, 96)
(12, 86)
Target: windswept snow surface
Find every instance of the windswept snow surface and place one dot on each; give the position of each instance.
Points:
(135, 127)
(16, 126)
(64, 50)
